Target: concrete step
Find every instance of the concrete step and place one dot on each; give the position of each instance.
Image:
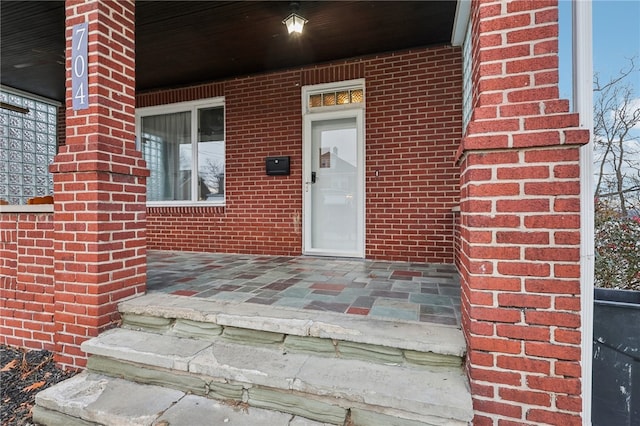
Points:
(319, 388)
(177, 357)
(297, 331)
(90, 399)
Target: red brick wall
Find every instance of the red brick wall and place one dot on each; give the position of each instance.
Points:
(521, 288)
(520, 218)
(99, 185)
(26, 280)
(413, 127)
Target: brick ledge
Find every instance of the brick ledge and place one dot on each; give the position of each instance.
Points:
(30, 208)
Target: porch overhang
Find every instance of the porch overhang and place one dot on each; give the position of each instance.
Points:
(181, 43)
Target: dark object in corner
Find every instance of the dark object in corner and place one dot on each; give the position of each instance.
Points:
(616, 357)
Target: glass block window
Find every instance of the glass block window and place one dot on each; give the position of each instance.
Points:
(466, 79)
(357, 96)
(328, 99)
(153, 155)
(315, 101)
(333, 98)
(29, 143)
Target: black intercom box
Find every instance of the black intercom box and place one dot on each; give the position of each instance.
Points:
(277, 165)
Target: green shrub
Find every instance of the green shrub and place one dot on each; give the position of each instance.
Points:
(617, 249)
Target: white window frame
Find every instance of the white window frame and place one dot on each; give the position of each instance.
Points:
(193, 107)
(461, 36)
(582, 46)
(467, 70)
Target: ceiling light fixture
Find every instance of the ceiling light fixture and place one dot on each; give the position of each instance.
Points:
(294, 22)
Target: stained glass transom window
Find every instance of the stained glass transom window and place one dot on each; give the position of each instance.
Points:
(333, 98)
(29, 143)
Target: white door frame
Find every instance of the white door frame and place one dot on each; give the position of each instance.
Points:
(331, 114)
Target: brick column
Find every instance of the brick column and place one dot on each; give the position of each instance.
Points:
(520, 219)
(99, 185)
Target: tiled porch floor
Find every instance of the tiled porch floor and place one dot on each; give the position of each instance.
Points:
(389, 290)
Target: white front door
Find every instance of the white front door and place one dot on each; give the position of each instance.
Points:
(334, 183)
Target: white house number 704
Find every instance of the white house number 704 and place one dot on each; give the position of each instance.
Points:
(79, 78)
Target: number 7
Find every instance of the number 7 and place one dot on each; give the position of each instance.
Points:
(81, 31)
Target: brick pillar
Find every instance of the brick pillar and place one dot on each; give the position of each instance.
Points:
(99, 185)
(520, 219)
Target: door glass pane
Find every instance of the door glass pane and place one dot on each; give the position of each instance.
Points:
(166, 146)
(334, 195)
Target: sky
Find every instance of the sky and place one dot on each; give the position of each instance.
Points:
(616, 36)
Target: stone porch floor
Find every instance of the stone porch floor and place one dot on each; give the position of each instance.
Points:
(388, 290)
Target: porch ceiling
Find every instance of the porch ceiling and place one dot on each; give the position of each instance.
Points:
(179, 43)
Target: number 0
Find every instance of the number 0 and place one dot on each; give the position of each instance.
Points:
(79, 66)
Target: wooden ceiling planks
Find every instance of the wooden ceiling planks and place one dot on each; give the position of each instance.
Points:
(180, 43)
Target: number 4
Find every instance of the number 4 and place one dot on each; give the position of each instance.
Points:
(79, 95)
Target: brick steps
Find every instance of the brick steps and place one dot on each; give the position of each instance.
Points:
(319, 367)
